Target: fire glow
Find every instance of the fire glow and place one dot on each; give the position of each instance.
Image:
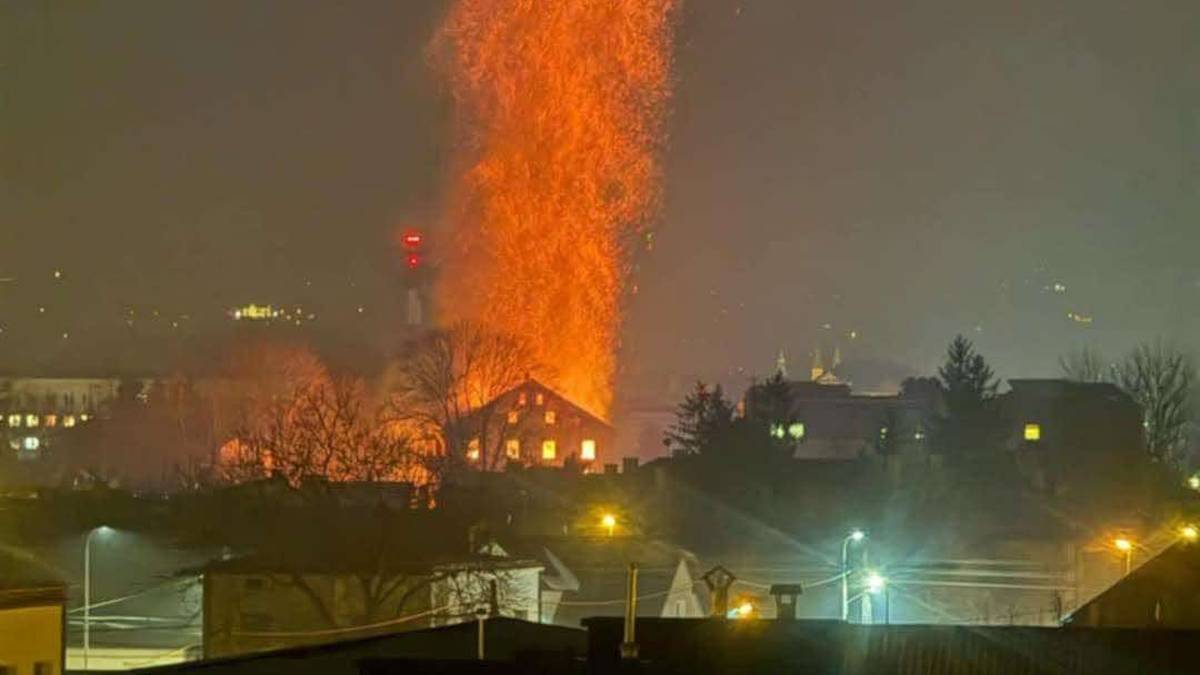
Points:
(560, 111)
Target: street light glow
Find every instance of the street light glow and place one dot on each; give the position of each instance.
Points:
(1189, 533)
(857, 535)
(1194, 482)
(609, 521)
(875, 582)
(1123, 544)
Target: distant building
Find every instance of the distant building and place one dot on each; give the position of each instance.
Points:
(32, 618)
(829, 421)
(533, 425)
(1064, 431)
(35, 410)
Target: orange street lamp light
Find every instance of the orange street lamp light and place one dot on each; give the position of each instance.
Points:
(1125, 546)
(609, 521)
(1189, 533)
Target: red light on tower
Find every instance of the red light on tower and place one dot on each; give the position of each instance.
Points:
(411, 240)
(414, 261)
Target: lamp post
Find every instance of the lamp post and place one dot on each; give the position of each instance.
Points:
(855, 536)
(876, 583)
(87, 588)
(1125, 546)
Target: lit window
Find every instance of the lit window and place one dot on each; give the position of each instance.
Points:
(550, 417)
(587, 450)
(539, 399)
(918, 435)
(68, 420)
(883, 432)
(777, 431)
(84, 417)
(522, 399)
(796, 430)
(32, 443)
(513, 417)
(14, 420)
(512, 448)
(473, 450)
(1033, 432)
(31, 420)
(51, 420)
(549, 449)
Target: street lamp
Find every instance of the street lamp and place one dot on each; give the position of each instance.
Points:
(855, 536)
(609, 521)
(1125, 546)
(876, 584)
(1189, 533)
(103, 530)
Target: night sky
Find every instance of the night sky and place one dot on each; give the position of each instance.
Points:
(896, 171)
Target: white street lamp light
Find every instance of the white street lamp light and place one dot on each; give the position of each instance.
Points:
(103, 530)
(855, 536)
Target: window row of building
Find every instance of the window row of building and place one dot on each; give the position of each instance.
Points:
(32, 421)
(512, 449)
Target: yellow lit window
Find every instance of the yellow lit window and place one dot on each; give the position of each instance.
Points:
(549, 449)
(31, 420)
(1033, 432)
(473, 450)
(587, 450)
(512, 448)
(14, 420)
(513, 417)
(796, 430)
(551, 417)
(539, 399)
(522, 399)
(51, 420)
(68, 420)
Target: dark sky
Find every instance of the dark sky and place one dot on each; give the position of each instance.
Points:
(904, 171)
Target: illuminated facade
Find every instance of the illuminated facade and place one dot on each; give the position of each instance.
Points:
(533, 425)
(35, 410)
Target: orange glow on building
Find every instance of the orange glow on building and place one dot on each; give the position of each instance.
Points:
(561, 108)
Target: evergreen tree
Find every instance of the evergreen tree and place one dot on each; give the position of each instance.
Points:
(703, 422)
(970, 423)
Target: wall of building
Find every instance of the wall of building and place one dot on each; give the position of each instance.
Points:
(31, 635)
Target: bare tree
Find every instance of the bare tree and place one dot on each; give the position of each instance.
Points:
(443, 388)
(331, 429)
(1084, 365)
(1159, 378)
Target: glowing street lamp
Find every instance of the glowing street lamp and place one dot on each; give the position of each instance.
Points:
(856, 536)
(609, 521)
(1193, 481)
(103, 531)
(1189, 533)
(1125, 546)
(876, 584)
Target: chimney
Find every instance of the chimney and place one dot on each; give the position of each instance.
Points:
(629, 464)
